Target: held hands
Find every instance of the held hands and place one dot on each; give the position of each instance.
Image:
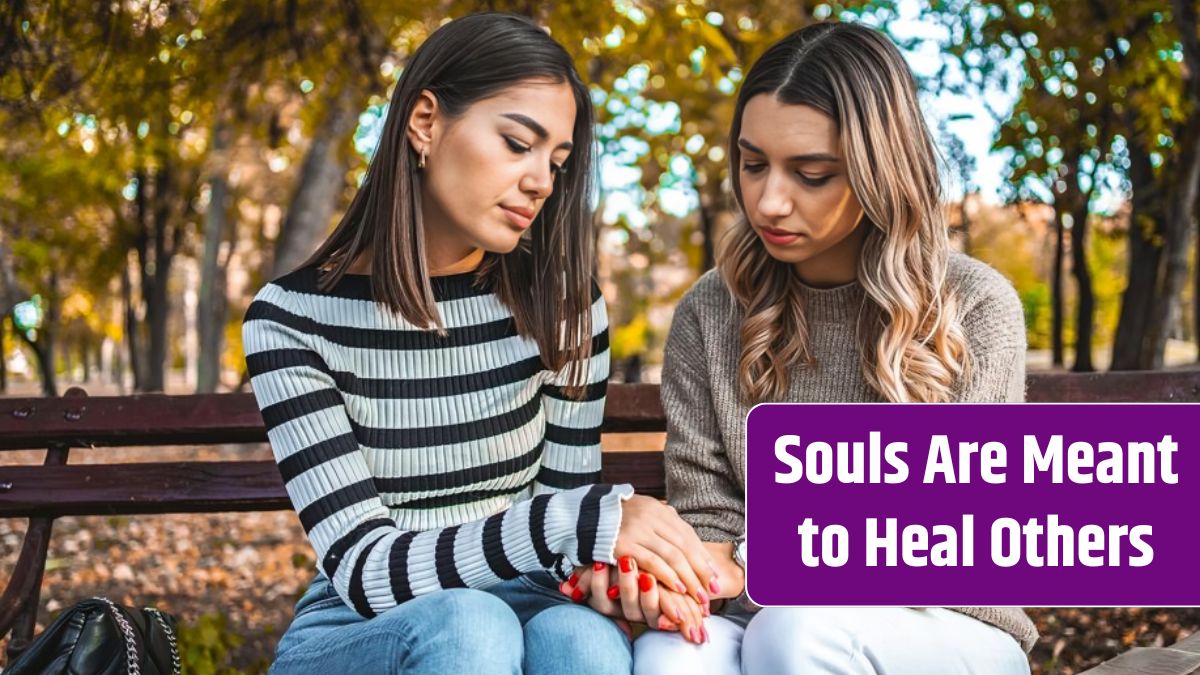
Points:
(667, 548)
(626, 593)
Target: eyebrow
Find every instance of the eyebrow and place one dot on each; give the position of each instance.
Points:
(536, 128)
(812, 157)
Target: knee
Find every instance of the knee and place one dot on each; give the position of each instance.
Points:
(801, 640)
(475, 626)
(663, 653)
(575, 639)
(657, 652)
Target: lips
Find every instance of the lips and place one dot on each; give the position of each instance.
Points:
(520, 216)
(778, 237)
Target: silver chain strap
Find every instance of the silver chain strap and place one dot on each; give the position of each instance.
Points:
(132, 663)
(175, 664)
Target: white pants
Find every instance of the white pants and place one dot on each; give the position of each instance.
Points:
(836, 641)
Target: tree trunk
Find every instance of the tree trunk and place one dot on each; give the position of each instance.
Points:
(322, 179)
(11, 293)
(155, 277)
(3, 356)
(1145, 256)
(132, 340)
(211, 309)
(1177, 242)
(1086, 309)
(1056, 291)
(43, 346)
(1187, 188)
(156, 291)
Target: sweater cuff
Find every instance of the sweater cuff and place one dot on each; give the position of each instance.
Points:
(582, 524)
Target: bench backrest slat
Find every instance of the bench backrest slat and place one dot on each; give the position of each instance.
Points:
(202, 419)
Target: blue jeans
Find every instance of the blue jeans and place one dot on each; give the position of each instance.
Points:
(521, 626)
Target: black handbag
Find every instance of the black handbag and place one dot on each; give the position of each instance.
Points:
(99, 637)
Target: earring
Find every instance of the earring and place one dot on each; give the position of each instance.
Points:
(421, 162)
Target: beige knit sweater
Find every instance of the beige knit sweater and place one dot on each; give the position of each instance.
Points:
(706, 444)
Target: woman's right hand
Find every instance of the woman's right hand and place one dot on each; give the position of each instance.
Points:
(634, 596)
(665, 546)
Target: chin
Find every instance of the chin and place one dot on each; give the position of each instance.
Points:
(501, 244)
(788, 254)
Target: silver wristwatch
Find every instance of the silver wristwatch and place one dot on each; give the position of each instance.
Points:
(739, 551)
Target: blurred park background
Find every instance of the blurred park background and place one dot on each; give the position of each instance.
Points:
(160, 161)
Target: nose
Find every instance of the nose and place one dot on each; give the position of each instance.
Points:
(538, 181)
(775, 202)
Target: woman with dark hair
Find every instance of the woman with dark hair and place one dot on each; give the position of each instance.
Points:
(432, 380)
(838, 284)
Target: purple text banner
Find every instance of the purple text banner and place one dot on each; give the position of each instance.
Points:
(973, 504)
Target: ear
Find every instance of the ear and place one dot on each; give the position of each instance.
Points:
(422, 120)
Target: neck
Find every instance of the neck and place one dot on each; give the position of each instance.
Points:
(467, 263)
(837, 265)
(445, 248)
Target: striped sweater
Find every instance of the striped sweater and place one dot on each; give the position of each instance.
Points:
(419, 462)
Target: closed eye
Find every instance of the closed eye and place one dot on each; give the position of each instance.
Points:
(814, 181)
(752, 167)
(516, 147)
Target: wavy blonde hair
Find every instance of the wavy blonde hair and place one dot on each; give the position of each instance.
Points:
(911, 344)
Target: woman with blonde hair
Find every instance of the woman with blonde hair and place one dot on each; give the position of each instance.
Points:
(838, 284)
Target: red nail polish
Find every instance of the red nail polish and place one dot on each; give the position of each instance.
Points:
(577, 595)
(574, 578)
(645, 582)
(626, 564)
(613, 592)
(598, 567)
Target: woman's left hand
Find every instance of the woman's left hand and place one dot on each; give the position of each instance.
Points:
(731, 574)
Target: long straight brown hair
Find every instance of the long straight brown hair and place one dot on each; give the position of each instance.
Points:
(547, 281)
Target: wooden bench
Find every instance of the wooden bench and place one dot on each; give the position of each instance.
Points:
(55, 488)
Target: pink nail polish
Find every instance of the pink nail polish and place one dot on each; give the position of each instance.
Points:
(703, 597)
(680, 587)
(704, 634)
(714, 586)
(692, 635)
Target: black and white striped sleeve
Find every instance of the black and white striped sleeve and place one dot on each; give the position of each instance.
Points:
(373, 564)
(572, 452)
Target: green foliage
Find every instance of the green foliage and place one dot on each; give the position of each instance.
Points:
(1036, 301)
(204, 647)
(1107, 260)
(632, 338)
